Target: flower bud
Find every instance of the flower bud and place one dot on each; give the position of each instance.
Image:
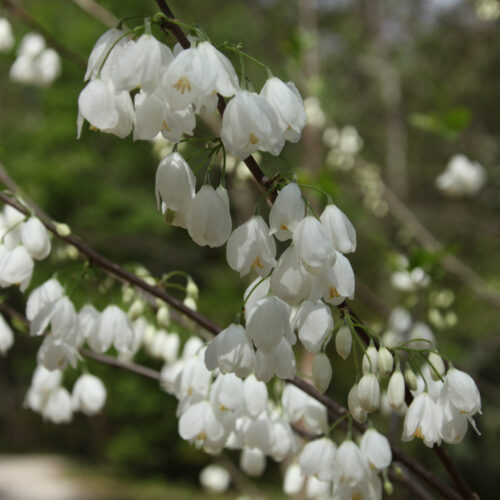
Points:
(343, 342)
(411, 379)
(192, 289)
(385, 361)
(354, 406)
(370, 364)
(321, 372)
(388, 487)
(63, 229)
(163, 316)
(136, 309)
(436, 367)
(369, 392)
(396, 390)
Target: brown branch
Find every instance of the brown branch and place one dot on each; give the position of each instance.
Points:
(98, 12)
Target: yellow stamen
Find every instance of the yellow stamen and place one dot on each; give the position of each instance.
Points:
(165, 126)
(257, 263)
(202, 436)
(253, 139)
(182, 84)
(333, 292)
(284, 227)
(418, 433)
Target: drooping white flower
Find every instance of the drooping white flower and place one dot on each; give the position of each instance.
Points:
(462, 392)
(339, 282)
(105, 108)
(209, 219)
(376, 449)
(396, 390)
(298, 405)
(369, 363)
(318, 458)
(11, 225)
(288, 209)
(268, 323)
(462, 177)
(252, 461)
(339, 228)
(60, 315)
(89, 394)
(286, 101)
(250, 124)
(88, 320)
(313, 322)
(321, 372)
(313, 245)
(250, 247)
(257, 290)
(317, 489)
(6, 335)
(282, 439)
(423, 420)
(199, 423)
(6, 36)
(141, 63)
(49, 67)
(31, 45)
(16, 268)
(231, 351)
(215, 478)
(57, 409)
(43, 383)
(255, 396)
(293, 481)
(421, 336)
(50, 291)
(101, 50)
(351, 467)
(343, 342)
(385, 361)
(175, 186)
(369, 392)
(35, 238)
(55, 353)
(280, 362)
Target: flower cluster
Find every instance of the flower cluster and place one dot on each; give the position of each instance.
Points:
(461, 178)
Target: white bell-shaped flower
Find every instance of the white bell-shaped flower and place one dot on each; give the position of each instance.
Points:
(339, 282)
(317, 489)
(421, 336)
(226, 397)
(209, 219)
(321, 372)
(354, 405)
(199, 423)
(50, 291)
(343, 342)
(88, 320)
(289, 281)
(6, 36)
(369, 363)
(250, 247)
(462, 392)
(280, 362)
(250, 124)
(11, 227)
(286, 101)
(339, 228)
(226, 80)
(423, 420)
(231, 351)
(101, 50)
(115, 328)
(313, 322)
(43, 382)
(60, 315)
(351, 467)
(385, 361)
(282, 439)
(175, 186)
(267, 323)
(35, 238)
(288, 209)
(141, 63)
(313, 245)
(6, 334)
(462, 177)
(31, 45)
(24, 70)
(369, 392)
(255, 396)
(454, 424)
(252, 462)
(293, 481)
(49, 67)
(89, 394)
(257, 290)
(215, 478)
(318, 459)
(376, 449)
(105, 108)
(396, 390)
(16, 268)
(58, 407)
(55, 352)
(194, 381)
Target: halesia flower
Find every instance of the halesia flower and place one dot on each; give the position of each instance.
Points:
(60, 315)
(89, 394)
(339, 228)
(462, 392)
(226, 397)
(6, 335)
(436, 366)
(315, 488)
(57, 409)
(423, 420)
(31, 45)
(396, 390)
(35, 238)
(293, 481)
(255, 396)
(55, 352)
(101, 49)
(313, 246)
(141, 63)
(313, 323)
(343, 342)
(351, 467)
(252, 462)
(267, 323)
(114, 328)
(50, 291)
(290, 281)
(88, 320)
(321, 372)
(250, 124)
(385, 361)
(370, 360)
(6, 36)
(11, 225)
(369, 392)
(199, 423)
(286, 101)
(250, 247)
(194, 381)
(462, 177)
(215, 478)
(421, 336)
(231, 351)
(209, 220)
(357, 411)
(189, 80)
(318, 458)
(339, 283)
(282, 442)
(16, 268)
(280, 362)
(49, 67)
(43, 382)
(257, 290)
(105, 108)
(175, 186)
(288, 209)
(376, 449)
(298, 405)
